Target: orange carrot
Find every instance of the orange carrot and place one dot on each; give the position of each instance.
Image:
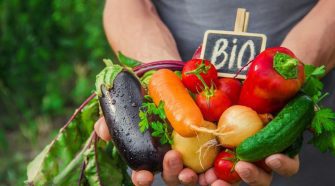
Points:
(181, 110)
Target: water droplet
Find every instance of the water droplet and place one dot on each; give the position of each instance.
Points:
(133, 104)
(122, 95)
(113, 101)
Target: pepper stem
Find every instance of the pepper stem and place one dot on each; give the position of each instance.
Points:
(285, 65)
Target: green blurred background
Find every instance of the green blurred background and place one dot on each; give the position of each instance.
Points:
(50, 53)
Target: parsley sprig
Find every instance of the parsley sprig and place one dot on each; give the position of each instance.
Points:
(153, 117)
(323, 123)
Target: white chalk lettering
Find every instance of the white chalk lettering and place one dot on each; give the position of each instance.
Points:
(232, 55)
(218, 50)
(249, 44)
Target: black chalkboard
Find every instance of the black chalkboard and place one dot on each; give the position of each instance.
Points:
(230, 51)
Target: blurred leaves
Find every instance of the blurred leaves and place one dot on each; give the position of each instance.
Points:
(50, 53)
(61, 160)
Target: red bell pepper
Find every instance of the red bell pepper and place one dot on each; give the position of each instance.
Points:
(274, 77)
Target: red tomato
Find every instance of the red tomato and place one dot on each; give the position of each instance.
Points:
(212, 104)
(204, 68)
(224, 167)
(231, 87)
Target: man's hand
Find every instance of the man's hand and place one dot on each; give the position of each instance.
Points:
(174, 173)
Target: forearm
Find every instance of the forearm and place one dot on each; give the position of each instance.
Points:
(134, 28)
(313, 38)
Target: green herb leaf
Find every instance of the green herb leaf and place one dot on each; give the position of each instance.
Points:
(313, 86)
(127, 61)
(144, 123)
(311, 70)
(324, 142)
(161, 112)
(323, 125)
(323, 121)
(159, 126)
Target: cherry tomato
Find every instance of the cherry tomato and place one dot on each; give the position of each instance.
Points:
(203, 68)
(224, 167)
(231, 87)
(212, 103)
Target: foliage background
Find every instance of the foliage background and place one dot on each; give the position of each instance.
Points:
(50, 52)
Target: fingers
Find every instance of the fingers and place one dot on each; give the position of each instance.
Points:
(283, 164)
(252, 175)
(100, 127)
(202, 180)
(220, 183)
(172, 166)
(210, 176)
(188, 177)
(142, 178)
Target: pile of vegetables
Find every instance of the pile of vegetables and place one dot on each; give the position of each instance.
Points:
(210, 121)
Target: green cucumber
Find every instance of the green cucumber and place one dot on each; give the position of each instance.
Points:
(295, 148)
(280, 133)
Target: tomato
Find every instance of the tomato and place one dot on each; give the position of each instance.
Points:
(224, 167)
(231, 87)
(212, 103)
(195, 68)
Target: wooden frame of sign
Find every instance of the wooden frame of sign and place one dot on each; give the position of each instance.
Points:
(230, 51)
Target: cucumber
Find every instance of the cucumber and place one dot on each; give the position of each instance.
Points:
(295, 148)
(280, 133)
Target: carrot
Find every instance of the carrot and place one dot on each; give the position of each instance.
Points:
(181, 110)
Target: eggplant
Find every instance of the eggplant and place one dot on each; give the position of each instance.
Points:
(120, 106)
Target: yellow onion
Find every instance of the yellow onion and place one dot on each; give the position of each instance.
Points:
(236, 124)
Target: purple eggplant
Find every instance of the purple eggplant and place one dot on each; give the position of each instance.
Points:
(120, 106)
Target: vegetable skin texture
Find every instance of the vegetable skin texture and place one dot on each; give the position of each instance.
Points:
(212, 104)
(265, 90)
(224, 167)
(238, 123)
(198, 74)
(181, 110)
(231, 87)
(280, 133)
(195, 154)
(120, 106)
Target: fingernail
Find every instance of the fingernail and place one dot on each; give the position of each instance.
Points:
(141, 180)
(185, 179)
(174, 163)
(275, 163)
(245, 173)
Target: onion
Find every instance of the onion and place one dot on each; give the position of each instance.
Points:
(238, 123)
(199, 152)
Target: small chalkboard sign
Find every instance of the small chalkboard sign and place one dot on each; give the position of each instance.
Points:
(230, 51)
